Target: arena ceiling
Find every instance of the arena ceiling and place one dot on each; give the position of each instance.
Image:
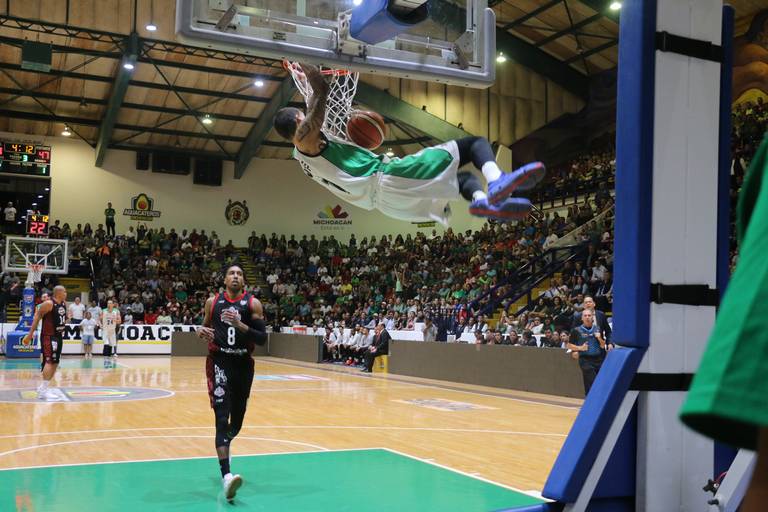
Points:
(162, 102)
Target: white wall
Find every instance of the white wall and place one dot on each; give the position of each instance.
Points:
(280, 198)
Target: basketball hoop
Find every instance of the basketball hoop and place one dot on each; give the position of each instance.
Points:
(34, 273)
(343, 86)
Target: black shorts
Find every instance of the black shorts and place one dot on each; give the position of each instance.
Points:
(51, 348)
(229, 379)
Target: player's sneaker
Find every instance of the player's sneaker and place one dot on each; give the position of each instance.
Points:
(524, 178)
(231, 484)
(47, 395)
(511, 208)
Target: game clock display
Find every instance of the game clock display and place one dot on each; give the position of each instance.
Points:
(25, 158)
(37, 224)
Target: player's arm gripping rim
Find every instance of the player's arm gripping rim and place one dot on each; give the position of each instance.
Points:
(206, 332)
(307, 138)
(44, 308)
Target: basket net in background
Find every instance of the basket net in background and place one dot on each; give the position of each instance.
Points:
(343, 86)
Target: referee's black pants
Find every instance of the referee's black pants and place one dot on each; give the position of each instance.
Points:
(590, 365)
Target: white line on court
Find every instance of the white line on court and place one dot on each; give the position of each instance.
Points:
(327, 388)
(297, 427)
(433, 386)
(470, 475)
(81, 441)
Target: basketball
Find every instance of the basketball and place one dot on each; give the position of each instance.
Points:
(366, 129)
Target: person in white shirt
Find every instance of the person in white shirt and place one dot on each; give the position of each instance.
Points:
(110, 320)
(87, 333)
(9, 218)
(95, 311)
(128, 317)
(76, 311)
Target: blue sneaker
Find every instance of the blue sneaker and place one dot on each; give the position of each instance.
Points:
(512, 208)
(524, 178)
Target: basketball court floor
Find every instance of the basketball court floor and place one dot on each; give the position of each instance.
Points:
(137, 434)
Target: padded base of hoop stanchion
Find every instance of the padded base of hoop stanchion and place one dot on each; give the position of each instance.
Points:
(372, 21)
(14, 347)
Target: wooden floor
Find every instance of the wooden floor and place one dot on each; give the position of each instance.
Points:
(504, 436)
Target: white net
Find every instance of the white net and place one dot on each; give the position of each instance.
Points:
(343, 86)
(34, 273)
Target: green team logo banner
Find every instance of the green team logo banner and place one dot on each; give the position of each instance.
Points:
(142, 208)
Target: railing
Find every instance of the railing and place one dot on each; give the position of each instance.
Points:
(572, 236)
(527, 277)
(551, 197)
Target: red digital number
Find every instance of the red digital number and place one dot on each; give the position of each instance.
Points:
(37, 228)
(43, 154)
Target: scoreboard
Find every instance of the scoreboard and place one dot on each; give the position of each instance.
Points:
(25, 158)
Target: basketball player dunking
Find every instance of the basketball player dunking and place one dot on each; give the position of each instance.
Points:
(415, 188)
(53, 313)
(233, 325)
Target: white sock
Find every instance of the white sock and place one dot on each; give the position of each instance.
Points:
(479, 194)
(491, 171)
(43, 386)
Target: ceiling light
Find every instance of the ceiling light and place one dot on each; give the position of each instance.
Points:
(389, 152)
(34, 204)
(501, 58)
(66, 131)
(357, 2)
(47, 189)
(207, 119)
(39, 197)
(151, 27)
(128, 66)
(259, 83)
(615, 6)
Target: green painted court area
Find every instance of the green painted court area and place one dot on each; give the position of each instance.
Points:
(355, 480)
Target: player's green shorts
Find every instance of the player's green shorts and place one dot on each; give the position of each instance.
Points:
(728, 399)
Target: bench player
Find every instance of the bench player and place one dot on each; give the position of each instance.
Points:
(233, 325)
(415, 188)
(53, 313)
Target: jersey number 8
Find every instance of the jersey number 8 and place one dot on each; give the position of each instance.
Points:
(231, 336)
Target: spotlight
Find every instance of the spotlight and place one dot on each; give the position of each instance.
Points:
(390, 153)
(259, 83)
(128, 66)
(501, 58)
(207, 119)
(357, 2)
(615, 6)
(66, 131)
(151, 27)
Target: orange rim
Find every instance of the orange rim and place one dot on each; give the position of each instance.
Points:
(294, 66)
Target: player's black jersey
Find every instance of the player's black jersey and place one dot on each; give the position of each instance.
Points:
(55, 320)
(227, 338)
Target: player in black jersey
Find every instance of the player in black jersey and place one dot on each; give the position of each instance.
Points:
(233, 325)
(53, 314)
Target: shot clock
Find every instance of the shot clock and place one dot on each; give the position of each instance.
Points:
(37, 224)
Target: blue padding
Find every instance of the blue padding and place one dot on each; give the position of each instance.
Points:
(618, 478)
(372, 22)
(724, 454)
(634, 171)
(591, 426)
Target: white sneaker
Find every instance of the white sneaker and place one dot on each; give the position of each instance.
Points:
(231, 484)
(48, 395)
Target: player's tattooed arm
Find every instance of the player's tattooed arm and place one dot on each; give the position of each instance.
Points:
(307, 136)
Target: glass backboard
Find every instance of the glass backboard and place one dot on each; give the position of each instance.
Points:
(455, 44)
(21, 252)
